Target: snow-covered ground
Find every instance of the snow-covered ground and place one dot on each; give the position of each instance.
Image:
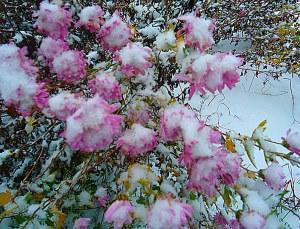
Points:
(253, 101)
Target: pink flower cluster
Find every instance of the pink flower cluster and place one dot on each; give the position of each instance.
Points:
(114, 34)
(119, 213)
(53, 20)
(82, 223)
(106, 86)
(211, 72)
(64, 104)
(18, 84)
(197, 32)
(70, 66)
(91, 17)
(169, 214)
(134, 58)
(274, 176)
(206, 173)
(137, 140)
(51, 48)
(207, 160)
(293, 141)
(93, 126)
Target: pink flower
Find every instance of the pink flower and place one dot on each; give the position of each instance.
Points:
(64, 104)
(119, 213)
(252, 220)
(231, 170)
(179, 122)
(139, 112)
(70, 66)
(18, 86)
(221, 223)
(93, 126)
(206, 173)
(114, 34)
(106, 86)
(137, 140)
(171, 121)
(53, 20)
(102, 201)
(198, 32)
(91, 17)
(293, 141)
(134, 58)
(82, 223)
(41, 96)
(50, 48)
(274, 176)
(211, 72)
(169, 214)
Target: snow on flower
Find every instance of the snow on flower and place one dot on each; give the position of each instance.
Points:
(134, 58)
(274, 176)
(169, 214)
(114, 34)
(197, 32)
(53, 20)
(139, 112)
(93, 126)
(51, 48)
(18, 84)
(137, 140)
(91, 17)
(166, 40)
(179, 122)
(106, 86)
(119, 213)
(210, 72)
(82, 223)
(64, 104)
(293, 141)
(70, 66)
(171, 120)
(206, 173)
(222, 223)
(252, 220)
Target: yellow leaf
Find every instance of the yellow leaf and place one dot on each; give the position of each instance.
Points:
(37, 196)
(276, 61)
(262, 124)
(61, 217)
(170, 26)
(250, 174)
(144, 181)
(229, 144)
(5, 198)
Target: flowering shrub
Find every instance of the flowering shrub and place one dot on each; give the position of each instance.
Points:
(97, 147)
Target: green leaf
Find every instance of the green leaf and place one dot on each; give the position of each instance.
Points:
(193, 196)
(20, 219)
(227, 199)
